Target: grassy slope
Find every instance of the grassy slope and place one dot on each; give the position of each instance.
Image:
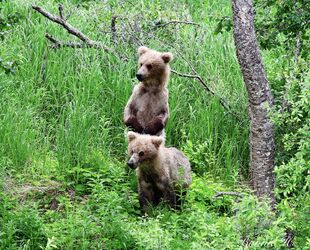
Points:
(62, 140)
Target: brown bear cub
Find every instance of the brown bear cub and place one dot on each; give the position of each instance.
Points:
(163, 173)
(147, 110)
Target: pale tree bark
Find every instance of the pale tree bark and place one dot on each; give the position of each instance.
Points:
(262, 145)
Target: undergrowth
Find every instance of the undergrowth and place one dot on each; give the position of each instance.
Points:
(62, 144)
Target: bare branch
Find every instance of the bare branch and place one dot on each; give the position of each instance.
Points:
(177, 22)
(133, 32)
(203, 83)
(72, 30)
(219, 194)
(57, 43)
(60, 9)
(183, 75)
(75, 32)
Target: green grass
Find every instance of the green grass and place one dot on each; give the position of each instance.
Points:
(69, 102)
(62, 141)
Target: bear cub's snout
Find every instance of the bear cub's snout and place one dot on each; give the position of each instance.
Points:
(139, 77)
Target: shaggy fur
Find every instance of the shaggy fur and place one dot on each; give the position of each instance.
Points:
(162, 172)
(147, 110)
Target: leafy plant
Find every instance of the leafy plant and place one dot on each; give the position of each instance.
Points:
(21, 228)
(282, 23)
(62, 141)
(8, 67)
(7, 21)
(278, 23)
(293, 129)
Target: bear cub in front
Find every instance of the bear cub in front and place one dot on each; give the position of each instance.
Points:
(147, 110)
(163, 173)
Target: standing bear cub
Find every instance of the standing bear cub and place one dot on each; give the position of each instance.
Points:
(163, 173)
(147, 110)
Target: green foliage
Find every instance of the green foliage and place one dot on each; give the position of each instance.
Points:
(224, 24)
(205, 157)
(258, 225)
(201, 156)
(108, 217)
(293, 135)
(282, 23)
(8, 67)
(278, 23)
(283, 28)
(64, 184)
(8, 20)
(20, 227)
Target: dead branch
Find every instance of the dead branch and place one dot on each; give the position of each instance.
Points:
(73, 31)
(183, 75)
(61, 9)
(57, 43)
(133, 31)
(220, 194)
(160, 25)
(113, 29)
(206, 87)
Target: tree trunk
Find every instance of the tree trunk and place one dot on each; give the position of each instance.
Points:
(262, 144)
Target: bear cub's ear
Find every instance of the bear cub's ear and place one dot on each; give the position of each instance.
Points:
(157, 141)
(131, 136)
(142, 50)
(167, 57)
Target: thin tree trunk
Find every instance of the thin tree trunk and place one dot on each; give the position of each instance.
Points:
(262, 144)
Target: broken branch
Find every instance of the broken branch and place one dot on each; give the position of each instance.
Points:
(176, 22)
(183, 75)
(57, 43)
(73, 31)
(60, 9)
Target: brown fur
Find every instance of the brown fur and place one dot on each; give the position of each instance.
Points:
(147, 107)
(162, 172)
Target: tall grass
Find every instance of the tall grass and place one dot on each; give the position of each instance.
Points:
(69, 102)
(62, 139)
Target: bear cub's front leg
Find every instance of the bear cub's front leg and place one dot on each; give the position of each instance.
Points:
(146, 194)
(133, 123)
(154, 126)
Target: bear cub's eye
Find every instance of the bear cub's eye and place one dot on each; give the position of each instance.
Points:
(141, 64)
(141, 153)
(149, 66)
